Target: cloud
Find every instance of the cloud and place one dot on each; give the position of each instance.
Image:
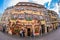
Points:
(14, 2)
(5, 5)
(52, 5)
(8, 3)
(41, 1)
(55, 8)
(49, 5)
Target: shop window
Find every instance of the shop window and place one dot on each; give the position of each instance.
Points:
(16, 30)
(36, 30)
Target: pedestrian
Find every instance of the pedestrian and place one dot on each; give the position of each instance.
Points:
(32, 34)
(3, 29)
(21, 33)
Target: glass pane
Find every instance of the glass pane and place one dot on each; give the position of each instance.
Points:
(29, 17)
(21, 16)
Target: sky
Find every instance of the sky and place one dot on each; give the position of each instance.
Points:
(49, 4)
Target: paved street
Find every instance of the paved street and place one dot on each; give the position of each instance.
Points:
(55, 35)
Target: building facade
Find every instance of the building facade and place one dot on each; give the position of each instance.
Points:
(53, 18)
(59, 10)
(30, 17)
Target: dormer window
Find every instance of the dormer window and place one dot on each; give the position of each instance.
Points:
(23, 4)
(28, 4)
(19, 8)
(19, 4)
(33, 5)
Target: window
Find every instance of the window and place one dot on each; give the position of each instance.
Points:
(17, 9)
(54, 19)
(3, 19)
(34, 9)
(35, 16)
(23, 4)
(47, 19)
(21, 16)
(28, 17)
(36, 29)
(19, 4)
(28, 4)
(14, 16)
(41, 17)
(22, 8)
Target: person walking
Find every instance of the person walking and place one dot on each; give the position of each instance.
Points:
(4, 27)
(32, 34)
(21, 33)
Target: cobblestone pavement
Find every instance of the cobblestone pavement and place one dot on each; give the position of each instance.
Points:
(55, 35)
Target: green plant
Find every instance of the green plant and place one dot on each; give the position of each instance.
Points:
(36, 30)
(17, 30)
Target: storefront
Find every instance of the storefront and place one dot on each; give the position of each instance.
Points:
(49, 28)
(37, 30)
(54, 26)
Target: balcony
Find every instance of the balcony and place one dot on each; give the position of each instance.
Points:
(53, 17)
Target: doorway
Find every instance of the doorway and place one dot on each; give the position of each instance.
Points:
(47, 29)
(28, 32)
(42, 29)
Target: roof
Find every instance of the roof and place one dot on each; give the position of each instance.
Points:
(29, 4)
(53, 12)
